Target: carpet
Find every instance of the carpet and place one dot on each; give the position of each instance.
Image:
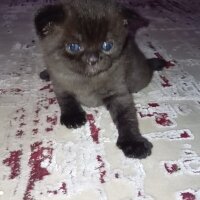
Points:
(42, 160)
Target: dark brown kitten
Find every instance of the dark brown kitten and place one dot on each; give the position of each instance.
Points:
(92, 61)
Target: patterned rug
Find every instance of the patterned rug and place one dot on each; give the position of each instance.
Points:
(42, 160)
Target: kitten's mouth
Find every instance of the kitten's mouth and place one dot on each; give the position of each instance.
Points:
(95, 70)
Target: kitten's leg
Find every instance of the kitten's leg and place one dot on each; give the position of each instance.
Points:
(123, 113)
(44, 75)
(139, 78)
(72, 114)
(157, 64)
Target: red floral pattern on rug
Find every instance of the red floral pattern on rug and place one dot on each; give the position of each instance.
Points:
(40, 159)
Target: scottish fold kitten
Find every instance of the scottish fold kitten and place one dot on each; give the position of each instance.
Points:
(91, 60)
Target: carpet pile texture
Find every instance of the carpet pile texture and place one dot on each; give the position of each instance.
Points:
(42, 160)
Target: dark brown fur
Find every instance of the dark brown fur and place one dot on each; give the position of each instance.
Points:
(109, 81)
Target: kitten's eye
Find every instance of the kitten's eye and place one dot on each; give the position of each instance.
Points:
(107, 46)
(73, 48)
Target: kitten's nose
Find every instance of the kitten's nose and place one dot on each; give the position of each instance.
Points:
(92, 59)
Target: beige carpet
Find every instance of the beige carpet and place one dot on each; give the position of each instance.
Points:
(42, 160)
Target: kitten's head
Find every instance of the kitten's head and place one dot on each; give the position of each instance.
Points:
(86, 34)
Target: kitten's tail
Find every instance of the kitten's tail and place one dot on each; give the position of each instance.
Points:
(157, 64)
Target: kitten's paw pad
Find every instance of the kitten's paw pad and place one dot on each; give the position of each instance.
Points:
(138, 147)
(73, 120)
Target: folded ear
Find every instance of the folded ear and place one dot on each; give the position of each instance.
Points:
(132, 16)
(47, 17)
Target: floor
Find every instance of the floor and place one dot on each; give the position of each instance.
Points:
(40, 159)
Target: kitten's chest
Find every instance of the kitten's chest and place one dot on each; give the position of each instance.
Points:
(86, 93)
(86, 90)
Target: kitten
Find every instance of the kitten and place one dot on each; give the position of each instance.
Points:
(92, 61)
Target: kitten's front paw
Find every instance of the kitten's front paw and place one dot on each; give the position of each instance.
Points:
(73, 120)
(135, 147)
